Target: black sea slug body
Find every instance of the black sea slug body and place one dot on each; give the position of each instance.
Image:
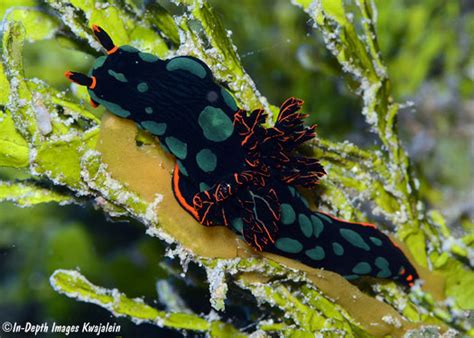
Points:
(230, 169)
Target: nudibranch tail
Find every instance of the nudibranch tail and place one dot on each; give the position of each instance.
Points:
(353, 250)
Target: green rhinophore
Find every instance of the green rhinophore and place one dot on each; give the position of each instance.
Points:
(338, 249)
(383, 265)
(228, 99)
(362, 268)
(185, 63)
(142, 87)
(317, 253)
(215, 124)
(288, 215)
(206, 160)
(305, 225)
(119, 76)
(288, 245)
(177, 147)
(376, 241)
(318, 226)
(154, 127)
(354, 238)
(147, 57)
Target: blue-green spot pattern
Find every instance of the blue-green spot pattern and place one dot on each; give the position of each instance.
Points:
(288, 215)
(289, 245)
(338, 249)
(318, 226)
(118, 76)
(142, 87)
(354, 238)
(215, 124)
(206, 160)
(317, 253)
(177, 147)
(362, 268)
(155, 128)
(305, 225)
(187, 64)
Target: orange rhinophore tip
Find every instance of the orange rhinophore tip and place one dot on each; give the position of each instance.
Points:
(68, 74)
(96, 28)
(80, 79)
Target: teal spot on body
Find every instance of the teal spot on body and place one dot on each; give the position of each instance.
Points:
(177, 147)
(119, 76)
(316, 254)
(215, 124)
(228, 99)
(362, 268)
(128, 48)
(376, 241)
(383, 265)
(99, 62)
(305, 202)
(351, 277)
(292, 190)
(142, 87)
(203, 186)
(238, 224)
(305, 225)
(187, 64)
(318, 226)
(338, 249)
(206, 160)
(147, 57)
(288, 215)
(354, 238)
(288, 245)
(324, 217)
(112, 107)
(182, 169)
(149, 110)
(154, 127)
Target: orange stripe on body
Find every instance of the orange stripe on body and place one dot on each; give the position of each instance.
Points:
(344, 221)
(179, 196)
(94, 83)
